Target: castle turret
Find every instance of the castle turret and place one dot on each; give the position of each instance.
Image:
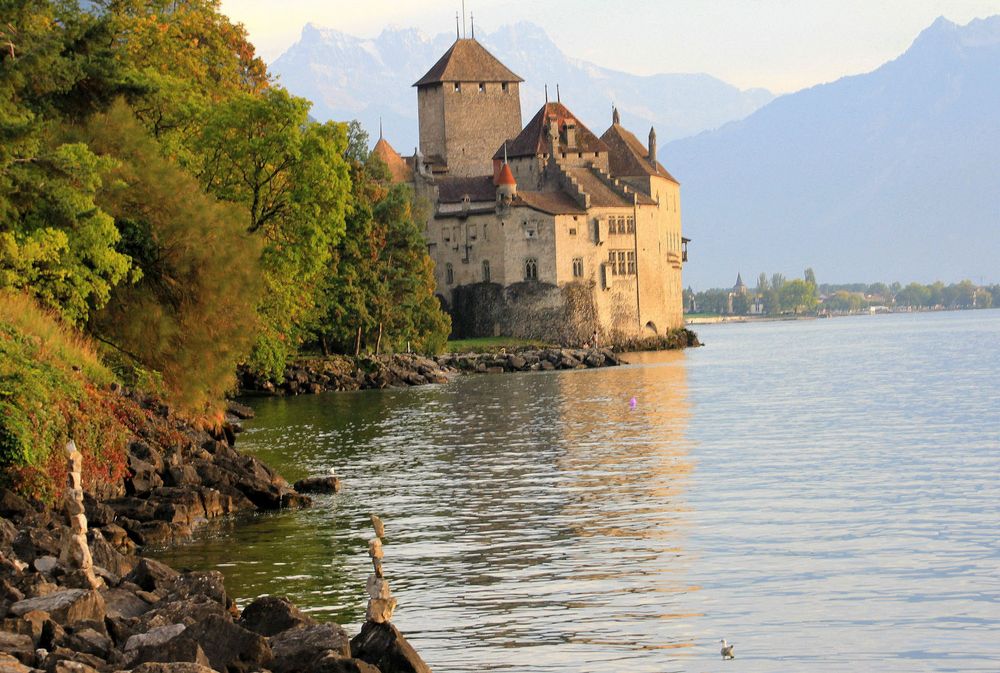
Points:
(506, 186)
(652, 146)
(468, 104)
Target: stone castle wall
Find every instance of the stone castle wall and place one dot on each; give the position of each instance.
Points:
(476, 124)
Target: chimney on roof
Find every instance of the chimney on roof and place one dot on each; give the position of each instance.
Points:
(652, 146)
(570, 132)
(615, 118)
(554, 134)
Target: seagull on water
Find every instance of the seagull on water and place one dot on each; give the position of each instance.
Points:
(727, 650)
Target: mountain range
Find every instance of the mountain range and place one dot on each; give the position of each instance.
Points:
(349, 77)
(890, 175)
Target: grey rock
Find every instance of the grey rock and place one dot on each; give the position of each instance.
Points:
(65, 607)
(382, 645)
(296, 649)
(270, 615)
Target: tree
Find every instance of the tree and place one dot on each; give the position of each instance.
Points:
(797, 296)
(54, 239)
(290, 176)
(191, 317)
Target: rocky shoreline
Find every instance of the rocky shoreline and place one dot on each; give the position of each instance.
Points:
(76, 594)
(340, 373)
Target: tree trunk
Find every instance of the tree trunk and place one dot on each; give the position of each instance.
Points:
(357, 343)
(378, 341)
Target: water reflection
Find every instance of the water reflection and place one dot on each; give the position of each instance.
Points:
(524, 513)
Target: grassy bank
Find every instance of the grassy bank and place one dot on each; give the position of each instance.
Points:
(53, 387)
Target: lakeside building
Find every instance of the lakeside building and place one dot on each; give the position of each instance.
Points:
(543, 231)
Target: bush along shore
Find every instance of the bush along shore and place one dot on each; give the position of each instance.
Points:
(76, 594)
(339, 372)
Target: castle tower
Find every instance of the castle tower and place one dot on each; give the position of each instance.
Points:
(468, 104)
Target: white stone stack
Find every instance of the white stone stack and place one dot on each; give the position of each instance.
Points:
(75, 552)
(381, 604)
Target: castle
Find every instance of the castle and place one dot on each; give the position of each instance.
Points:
(543, 231)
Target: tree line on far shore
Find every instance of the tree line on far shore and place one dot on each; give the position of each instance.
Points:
(163, 195)
(777, 295)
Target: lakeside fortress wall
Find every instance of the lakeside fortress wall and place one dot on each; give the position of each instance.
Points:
(546, 231)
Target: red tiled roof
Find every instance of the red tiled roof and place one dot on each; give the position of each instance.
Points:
(398, 168)
(468, 61)
(628, 157)
(506, 177)
(534, 139)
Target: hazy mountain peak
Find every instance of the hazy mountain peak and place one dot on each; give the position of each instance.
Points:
(887, 175)
(348, 77)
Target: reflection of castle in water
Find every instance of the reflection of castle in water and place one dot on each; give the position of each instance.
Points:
(625, 472)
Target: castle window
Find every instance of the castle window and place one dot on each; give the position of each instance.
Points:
(578, 267)
(531, 269)
(572, 231)
(612, 258)
(580, 155)
(446, 233)
(472, 232)
(482, 87)
(503, 87)
(486, 270)
(449, 273)
(622, 269)
(486, 231)
(630, 226)
(458, 87)
(631, 263)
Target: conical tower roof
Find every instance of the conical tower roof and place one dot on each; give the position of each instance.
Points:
(398, 168)
(467, 61)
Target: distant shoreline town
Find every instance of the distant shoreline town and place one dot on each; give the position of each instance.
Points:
(776, 297)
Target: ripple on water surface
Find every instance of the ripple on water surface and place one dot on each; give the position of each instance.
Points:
(823, 494)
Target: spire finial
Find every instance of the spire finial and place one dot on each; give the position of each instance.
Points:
(458, 33)
(463, 19)
(546, 94)
(505, 151)
(472, 24)
(615, 117)
(380, 127)
(558, 99)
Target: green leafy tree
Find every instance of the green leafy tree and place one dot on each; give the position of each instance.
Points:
(290, 176)
(797, 296)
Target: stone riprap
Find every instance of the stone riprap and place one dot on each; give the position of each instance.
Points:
(75, 595)
(400, 371)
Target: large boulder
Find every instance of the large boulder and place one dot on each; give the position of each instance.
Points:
(230, 647)
(270, 615)
(297, 649)
(382, 645)
(152, 575)
(65, 607)
(172, 667)
(19, 646)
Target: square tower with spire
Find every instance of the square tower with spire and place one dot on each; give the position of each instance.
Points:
(468, 104)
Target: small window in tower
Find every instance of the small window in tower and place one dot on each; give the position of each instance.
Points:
(449, 273)
(572, 231)
(578, 267)
(482, 87)
(503, 87)
(486, 271)
(458, 87)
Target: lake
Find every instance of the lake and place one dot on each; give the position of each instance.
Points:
(824, 494)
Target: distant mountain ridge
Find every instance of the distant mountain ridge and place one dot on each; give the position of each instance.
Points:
(891, 175)
(348, 77)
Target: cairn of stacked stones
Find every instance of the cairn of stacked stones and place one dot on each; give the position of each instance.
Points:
(75, 552)
(381, 604)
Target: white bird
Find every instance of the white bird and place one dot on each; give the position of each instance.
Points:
(727, 650)
(333, 472)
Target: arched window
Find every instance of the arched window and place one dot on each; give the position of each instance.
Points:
(486, 271)
(530, 269)
(449, 273)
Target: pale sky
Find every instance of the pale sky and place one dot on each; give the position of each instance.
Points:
(782, 45)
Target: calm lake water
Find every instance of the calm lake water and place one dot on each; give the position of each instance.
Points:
(824, 494)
